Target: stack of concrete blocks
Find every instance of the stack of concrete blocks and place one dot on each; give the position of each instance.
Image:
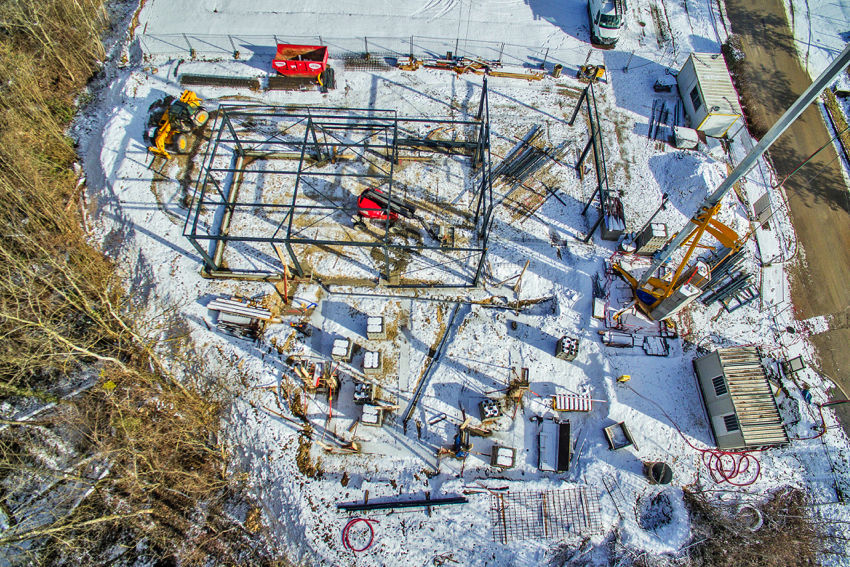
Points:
(490, 409)
(364, 393)
(342, 350)
(372, 415)
(567, 348)
(373, 364)
(375, 329)
(502, 457)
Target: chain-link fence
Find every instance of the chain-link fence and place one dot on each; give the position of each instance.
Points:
(246, 47)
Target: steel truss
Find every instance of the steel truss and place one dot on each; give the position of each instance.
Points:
(328, 147)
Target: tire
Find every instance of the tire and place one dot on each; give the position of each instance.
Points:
(181, 144)
(200, 118)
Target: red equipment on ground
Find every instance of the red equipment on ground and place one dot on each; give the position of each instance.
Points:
(300, 60)
(372, 204)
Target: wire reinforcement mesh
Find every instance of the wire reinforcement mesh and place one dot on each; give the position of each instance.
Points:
(550, 514)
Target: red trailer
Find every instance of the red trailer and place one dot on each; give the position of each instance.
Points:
(300, 60)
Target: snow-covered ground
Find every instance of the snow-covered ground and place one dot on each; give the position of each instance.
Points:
(137, 215)
(821, 31)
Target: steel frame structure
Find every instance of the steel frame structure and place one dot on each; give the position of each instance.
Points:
(378, 140)
(595, 141)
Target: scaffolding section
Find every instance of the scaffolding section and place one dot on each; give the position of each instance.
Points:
(278, 191)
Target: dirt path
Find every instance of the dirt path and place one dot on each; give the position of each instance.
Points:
(820, 210)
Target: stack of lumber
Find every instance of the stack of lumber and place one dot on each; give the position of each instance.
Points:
(240, 308)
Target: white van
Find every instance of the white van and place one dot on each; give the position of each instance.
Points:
(606, 19)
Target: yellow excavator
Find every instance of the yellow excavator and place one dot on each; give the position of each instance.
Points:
(179, 120)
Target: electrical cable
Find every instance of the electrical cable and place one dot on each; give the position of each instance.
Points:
(822, 419)
(347, 544)
(723, 466)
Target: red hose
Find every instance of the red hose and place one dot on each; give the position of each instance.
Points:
(347, 527)
(723, 466)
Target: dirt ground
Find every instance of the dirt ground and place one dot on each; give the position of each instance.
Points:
(820, 208)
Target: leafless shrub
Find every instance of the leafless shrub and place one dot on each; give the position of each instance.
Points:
(788, 537)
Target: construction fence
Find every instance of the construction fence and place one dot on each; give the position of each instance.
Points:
(248, 47)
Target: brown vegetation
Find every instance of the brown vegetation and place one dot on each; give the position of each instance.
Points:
(788, 536)
(754, 113)
(131, 465)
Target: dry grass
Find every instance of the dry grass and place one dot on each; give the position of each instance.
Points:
(788, 538)
(839, 121)
(63, 312)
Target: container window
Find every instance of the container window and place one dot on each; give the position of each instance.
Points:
(719, 386)
(731, 423)
(696, 99)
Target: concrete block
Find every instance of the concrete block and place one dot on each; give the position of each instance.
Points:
(375, 329)
(342, 350)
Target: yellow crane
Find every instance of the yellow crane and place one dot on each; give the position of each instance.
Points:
(178, 121)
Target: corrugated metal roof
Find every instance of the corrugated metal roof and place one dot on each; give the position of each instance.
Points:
(752, 396)
(715, 83)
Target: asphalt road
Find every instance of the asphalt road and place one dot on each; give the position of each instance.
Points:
(820, 208)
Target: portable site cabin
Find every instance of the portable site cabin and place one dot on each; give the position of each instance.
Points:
(741, 407)
(709, 98)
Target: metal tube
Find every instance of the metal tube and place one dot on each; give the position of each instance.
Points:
(407, 504)
(578, 106)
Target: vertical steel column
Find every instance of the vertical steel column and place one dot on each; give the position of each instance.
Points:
(578, 106)
(295, 196)
(390, 195)
(207, 259)
(239, 149)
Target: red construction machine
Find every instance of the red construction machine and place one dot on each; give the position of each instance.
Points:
(300, 60)
(304, 61)
(377, 205)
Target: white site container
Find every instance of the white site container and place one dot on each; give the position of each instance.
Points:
(709, 98)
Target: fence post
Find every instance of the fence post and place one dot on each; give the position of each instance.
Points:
(233, 45)
(320, 41)
(191, 49)
(457, 42)
(411, 48)
(545, 57)
(501, 50)
(366, 41)
(629, 62)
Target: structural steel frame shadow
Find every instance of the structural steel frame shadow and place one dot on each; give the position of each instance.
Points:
(379, 139)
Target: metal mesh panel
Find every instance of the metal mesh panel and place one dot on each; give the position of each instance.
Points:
(552, 514)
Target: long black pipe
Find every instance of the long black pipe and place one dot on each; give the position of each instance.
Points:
(406, 504)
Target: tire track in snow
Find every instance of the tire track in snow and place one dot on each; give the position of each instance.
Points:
(425, 8)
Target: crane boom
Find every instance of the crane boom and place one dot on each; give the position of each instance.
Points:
(796, 109)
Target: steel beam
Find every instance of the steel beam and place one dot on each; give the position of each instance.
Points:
(402, 504)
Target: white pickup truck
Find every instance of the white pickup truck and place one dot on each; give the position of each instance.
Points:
(607, 17)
